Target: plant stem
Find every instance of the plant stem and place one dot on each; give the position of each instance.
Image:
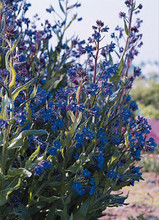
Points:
(4, 150)
(122, 154)
(78, 99)
(96, 58)
(127, 40)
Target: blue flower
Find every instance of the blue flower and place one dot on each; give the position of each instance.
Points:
(113, 174)
(92, 181)
(110, 48)
(110, 174)
(100, 160)
(137, 171)
(150, 144)
(92, 89)
(96, 35)
(78, 145)
(92, 190)
(38, 170)
(78, 187)
(45, 164)
(59, 123)
(89, 48)
(86, 173)
(57, 144)
(105, 29)
(79, 138)
(81, 192)
(133, 106)
(53, 127)
(76, 156)
(52, 151)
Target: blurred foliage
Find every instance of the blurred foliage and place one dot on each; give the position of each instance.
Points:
(139, 217)
(146, 94)
(150, 164)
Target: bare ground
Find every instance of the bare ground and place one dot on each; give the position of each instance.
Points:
(143, 199)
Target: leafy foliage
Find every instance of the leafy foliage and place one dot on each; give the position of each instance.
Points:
(147, 98)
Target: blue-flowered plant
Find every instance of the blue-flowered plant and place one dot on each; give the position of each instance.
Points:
(68, 135)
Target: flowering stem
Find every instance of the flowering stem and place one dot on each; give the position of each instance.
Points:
(1, 6)
(96, 58)
(4, 153)
(5, 88)
(127, 40)
(78, 99)
(122, 154)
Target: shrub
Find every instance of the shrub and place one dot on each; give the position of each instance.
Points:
(147, 98)
(69, 139)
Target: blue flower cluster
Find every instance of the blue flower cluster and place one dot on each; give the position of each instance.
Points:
(43, 165)
(89, 186)
(56, 145)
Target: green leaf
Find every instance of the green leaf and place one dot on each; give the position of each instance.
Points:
(74, 125)
(71, 115)
(116, 77)
(6, 102)
(74, 17)
(16, 92)
(53, 84)
(77, 93)
(6, 60)
(13, 79)
(96, 178)
(23, 212)
(15, 43)
(32, 157)
(71, 217)
(17, 172)
(64, 213)
(18, 141)
(126, 27)
(48, 199)
(51, 213)
(74, 167)
(5, 193)
(126, 137)
(33, 94)
(61, 7)
(82, 212)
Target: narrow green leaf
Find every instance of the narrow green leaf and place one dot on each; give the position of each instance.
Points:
(82, 212)
(4, 193)
(126, 136)
(15, 43)
(32, 157)
(50, 199)
(18, 141)
(16, 92)
(126, 27)
(77, 93)
(74, 17)
(33, 94)
(51, 213)
(64, 213)
(71, 217)
(6, 60)
(23, 212)
(71, 115)
(61, 7)
(17, 172)
(12, 83)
